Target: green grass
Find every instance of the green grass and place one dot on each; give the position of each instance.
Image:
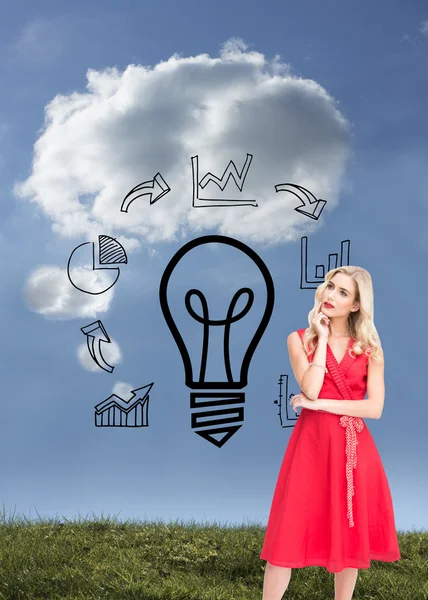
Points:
(105, 559)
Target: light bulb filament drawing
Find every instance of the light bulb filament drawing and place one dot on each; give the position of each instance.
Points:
(227, 322)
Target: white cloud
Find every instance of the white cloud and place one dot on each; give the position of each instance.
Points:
(96, 146)
(424, 27)
(110, 352)
(122, 389)
(416, 40)
(49, 292)
(39, 43)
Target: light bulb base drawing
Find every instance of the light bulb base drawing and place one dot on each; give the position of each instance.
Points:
(214, 418)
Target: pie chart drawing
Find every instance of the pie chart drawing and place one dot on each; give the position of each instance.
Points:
(110, 252)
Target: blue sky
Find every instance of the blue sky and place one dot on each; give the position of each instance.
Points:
(97, 98)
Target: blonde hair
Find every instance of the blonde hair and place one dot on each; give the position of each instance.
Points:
(360, 323)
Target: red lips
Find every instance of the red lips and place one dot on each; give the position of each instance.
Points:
(328, 305)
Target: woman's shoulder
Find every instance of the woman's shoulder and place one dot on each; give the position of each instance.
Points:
(299, 332)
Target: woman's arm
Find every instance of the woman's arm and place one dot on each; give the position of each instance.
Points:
(376, 382)
(371, 408)
(310, 379)
(366, 409)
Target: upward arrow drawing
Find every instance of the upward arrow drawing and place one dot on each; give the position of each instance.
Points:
(95, 334)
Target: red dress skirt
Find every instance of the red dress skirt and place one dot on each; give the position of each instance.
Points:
(332, 506)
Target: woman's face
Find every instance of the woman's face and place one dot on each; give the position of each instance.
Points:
(340, 292)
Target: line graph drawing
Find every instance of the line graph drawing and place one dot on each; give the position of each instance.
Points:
(115, 411)
(229, 172)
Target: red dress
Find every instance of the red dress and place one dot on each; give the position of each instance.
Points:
(332, 506)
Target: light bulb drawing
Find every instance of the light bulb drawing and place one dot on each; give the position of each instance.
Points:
(210, 422)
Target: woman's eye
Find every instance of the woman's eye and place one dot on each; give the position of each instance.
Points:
(342, 292)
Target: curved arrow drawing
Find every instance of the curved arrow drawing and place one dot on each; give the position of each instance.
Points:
(310, 208)
(146, 185)
(95, 334)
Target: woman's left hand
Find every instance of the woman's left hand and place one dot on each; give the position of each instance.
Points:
(303, 401)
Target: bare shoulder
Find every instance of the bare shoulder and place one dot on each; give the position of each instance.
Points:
(298, 359)
(294, 341)
(376, 366)
(296, 349)
(381, 355)
(293, 336)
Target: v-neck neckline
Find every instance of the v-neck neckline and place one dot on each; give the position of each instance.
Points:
(344, 356)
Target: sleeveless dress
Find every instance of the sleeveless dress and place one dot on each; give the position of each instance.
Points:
(332, 506)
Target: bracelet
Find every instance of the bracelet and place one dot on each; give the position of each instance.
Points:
(316, 365)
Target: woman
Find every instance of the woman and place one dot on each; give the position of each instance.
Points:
(332, 505)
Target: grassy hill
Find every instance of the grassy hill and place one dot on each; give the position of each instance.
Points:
(105, 559)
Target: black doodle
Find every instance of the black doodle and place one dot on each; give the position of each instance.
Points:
(199, 382)
(305, 283)
(95, 334)
(230, 171)
(310, 206)
(162, 185)
(279, 402)
(110, 252)
(114, 411)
